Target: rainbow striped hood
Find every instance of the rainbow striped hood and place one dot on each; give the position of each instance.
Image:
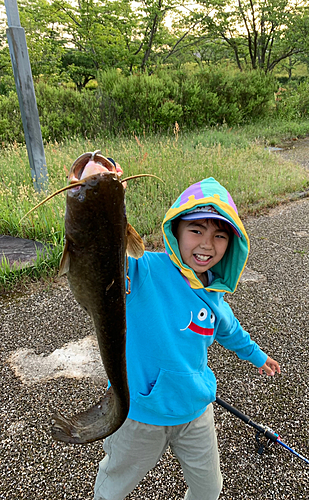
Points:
(229, 270)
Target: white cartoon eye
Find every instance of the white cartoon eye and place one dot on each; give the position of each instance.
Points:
(202, 315)
(212, 318)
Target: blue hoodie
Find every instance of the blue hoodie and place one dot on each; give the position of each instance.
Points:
(172, 319)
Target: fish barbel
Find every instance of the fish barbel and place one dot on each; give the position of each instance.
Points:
(97, 239)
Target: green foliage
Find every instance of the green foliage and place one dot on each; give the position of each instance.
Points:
(10, 119)
(99, 34)
(292, 101)
(257, 34)
(143, 103)
(251, 173)
(79, 67)
(139, 102)
(75, 39)
(66, 113)
(44, 44)
(7, 84)
(214, 95)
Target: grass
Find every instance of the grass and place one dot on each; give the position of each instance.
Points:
(235, 157)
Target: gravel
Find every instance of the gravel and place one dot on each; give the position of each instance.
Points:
(296, 151)
(272, 305)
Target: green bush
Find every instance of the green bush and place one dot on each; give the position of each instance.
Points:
(66, 113)
(293, 102)
(144, 103)
(241, 95)
(193, 99)
(11, 129)
(139, 102)
(7, 84)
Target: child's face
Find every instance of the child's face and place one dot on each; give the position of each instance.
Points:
(202, 244)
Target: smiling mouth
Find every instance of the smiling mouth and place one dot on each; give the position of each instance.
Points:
(197, 329)
(202, 258)
(201, 331)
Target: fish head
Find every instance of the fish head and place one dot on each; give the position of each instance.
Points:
(95, 205)
(95, 210)
(89, 164)
(89, 203)
(95, 218)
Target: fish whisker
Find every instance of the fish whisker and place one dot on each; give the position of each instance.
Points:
(65, 188)
(80, 183)
(141, 175)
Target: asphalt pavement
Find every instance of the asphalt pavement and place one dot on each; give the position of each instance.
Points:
(19, 252)
(43, 325)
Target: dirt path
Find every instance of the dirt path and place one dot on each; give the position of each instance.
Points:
(296, 151)
(271, 303)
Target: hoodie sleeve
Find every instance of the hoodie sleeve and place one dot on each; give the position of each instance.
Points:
(137, 272)
(232, 336)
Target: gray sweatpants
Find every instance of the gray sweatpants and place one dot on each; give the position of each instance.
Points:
(136, 448)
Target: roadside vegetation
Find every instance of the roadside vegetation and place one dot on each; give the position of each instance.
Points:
(122, 105)
(237, 157)
(204, 94)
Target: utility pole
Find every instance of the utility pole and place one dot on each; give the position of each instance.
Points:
(26, 96)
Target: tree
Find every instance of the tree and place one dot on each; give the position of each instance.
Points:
(96, 35)
(153, 33)
(259, 33)
(72, 40)
(43, 40)
(76, 39)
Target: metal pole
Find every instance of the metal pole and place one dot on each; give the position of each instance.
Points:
(26, 96)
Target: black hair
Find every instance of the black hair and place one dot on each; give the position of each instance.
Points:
(221, 224)
(224, 226)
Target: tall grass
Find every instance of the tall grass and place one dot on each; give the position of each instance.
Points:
(253, 175)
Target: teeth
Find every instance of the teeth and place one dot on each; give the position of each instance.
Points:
(202, 257)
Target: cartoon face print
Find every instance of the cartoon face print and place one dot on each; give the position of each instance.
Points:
(202, 323)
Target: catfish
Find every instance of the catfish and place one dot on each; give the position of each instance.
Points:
(97, 240)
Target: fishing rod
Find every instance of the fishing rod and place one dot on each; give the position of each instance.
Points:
(261, 431)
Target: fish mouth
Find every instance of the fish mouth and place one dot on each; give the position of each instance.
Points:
(89, 164)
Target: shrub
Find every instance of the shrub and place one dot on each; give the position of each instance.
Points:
(293, 102)
(66, 113)
(140, 102)
(11, 129)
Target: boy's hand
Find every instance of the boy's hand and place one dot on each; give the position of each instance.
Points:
(120, 172)
(118, 169)
(270, 367)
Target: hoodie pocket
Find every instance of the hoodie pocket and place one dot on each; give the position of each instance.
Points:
(179, 394)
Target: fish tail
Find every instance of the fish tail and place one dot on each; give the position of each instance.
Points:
(98, 422)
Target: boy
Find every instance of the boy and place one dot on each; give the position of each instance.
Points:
(174, 312)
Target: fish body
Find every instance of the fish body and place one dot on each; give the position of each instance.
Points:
(94, 259)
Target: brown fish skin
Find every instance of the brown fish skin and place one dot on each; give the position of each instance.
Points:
(94, 260)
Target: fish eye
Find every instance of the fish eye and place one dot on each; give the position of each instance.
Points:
(202, 315)
(212, 318)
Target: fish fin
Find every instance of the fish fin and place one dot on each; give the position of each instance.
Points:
(135, 245)
(65, 260)
(96, 423)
